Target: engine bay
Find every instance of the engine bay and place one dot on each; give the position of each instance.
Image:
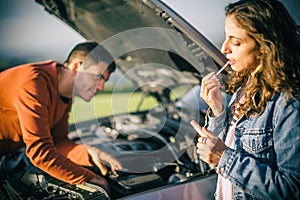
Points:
(156, 147)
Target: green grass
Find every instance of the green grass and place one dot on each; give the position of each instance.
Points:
(106, 104)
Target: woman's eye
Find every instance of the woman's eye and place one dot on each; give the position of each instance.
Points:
(236, 43)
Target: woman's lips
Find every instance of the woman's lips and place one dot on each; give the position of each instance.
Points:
(232, 62)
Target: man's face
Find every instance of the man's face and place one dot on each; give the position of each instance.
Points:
(91, 80)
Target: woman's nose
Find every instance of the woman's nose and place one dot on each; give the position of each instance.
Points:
(225, 48)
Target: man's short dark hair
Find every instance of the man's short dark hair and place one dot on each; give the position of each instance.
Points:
(91, 52)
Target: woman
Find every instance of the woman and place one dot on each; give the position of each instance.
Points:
(260, 155)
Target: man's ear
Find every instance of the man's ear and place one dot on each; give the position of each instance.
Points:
(76, 66)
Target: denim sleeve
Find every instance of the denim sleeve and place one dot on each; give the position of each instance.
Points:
(216, 124)
(260, 179)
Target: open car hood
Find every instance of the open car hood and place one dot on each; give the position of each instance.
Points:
(160, 52)
(151, 44)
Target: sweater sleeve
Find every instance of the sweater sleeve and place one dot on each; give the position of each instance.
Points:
(77, 153)
(33, 106)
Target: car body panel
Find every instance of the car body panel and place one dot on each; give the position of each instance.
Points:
(201, 188)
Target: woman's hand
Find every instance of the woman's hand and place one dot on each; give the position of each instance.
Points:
(211, 93)
(99, 158)
(209, 147)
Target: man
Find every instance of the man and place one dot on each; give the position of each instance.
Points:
(35, 100)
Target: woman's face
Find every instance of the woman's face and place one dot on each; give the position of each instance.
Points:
(239, 47)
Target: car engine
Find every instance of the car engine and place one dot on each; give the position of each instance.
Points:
(155, 147)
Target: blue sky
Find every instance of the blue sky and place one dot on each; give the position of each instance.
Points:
(27, 30)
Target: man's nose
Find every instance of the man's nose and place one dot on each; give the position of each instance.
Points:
(100, 85)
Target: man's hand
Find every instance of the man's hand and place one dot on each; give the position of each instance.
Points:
(210, 147)
(99, 158)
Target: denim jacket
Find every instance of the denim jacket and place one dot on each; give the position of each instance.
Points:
(266, 161)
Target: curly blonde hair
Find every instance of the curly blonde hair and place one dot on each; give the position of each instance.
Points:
(275, 32)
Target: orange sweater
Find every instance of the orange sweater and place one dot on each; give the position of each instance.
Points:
(33, 114)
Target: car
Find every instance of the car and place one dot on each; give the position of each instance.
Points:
(159, 55)
(162, 56)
